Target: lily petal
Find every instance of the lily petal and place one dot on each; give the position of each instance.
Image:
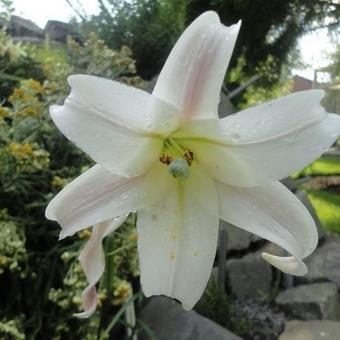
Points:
(177, 240)
(267, 142)
(275, 214)
(98, 195)
(290, 265)
(118, 126)
(192, 76)
(92, 259)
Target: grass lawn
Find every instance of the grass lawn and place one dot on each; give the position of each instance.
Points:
(327, 206)
(55, 53)
(322, 166)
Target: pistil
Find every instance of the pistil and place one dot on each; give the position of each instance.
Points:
(177, 158)
(179, 168)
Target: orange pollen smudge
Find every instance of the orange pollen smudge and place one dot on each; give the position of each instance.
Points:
(167, 159)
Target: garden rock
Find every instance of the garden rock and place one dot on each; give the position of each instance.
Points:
(169, 321)
(249, 277)
(324, 263)
(311, 330)
(237, 239)
(313, 301)
(261, 320)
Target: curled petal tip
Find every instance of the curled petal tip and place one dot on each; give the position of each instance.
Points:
(92, 260)
(236, 28)
(89, 298)
(60, 238)
(63, 235)
(211, 14)
(238, 24)
(71, 77)
(187, 306)
(147, 294)
(50, 212)
(289, 265)
(52, 109)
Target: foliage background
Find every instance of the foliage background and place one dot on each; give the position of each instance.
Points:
(40, 279)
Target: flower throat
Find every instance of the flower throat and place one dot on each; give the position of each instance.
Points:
(176, 158)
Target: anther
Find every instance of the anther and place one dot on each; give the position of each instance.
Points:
(165, 159)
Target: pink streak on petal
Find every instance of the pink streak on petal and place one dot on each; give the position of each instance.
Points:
(193, 74)
(199, 70)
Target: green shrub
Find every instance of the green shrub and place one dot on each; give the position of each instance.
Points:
(41, 279)
(15, 65)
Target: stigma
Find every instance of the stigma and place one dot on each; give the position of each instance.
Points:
(179, 168)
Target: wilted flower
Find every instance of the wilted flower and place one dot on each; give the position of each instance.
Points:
(168, 157)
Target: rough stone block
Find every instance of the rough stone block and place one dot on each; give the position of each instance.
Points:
(250, 277)
(311, 330)
(168, 321)
(313, 301)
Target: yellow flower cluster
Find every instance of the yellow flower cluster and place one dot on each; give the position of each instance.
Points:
(84, 234)
(21, 151)
(133, 237)
(3, 112)
(58, 182)
(18, 95)
(122, 292)
(30, 111)
(29, 155)
(12, 247)
(3, 260)
(27, 100)
(34, 85)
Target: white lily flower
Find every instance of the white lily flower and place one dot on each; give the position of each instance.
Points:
(168, 157)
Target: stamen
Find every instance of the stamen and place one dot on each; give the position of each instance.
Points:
(165, 159)
(189, 157)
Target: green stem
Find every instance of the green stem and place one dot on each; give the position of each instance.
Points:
(116, 251)
(118, 315)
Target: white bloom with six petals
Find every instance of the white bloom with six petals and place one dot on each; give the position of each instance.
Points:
(168, 157)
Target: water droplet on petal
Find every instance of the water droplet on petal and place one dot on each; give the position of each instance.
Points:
(124, 196)
(235, 136)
